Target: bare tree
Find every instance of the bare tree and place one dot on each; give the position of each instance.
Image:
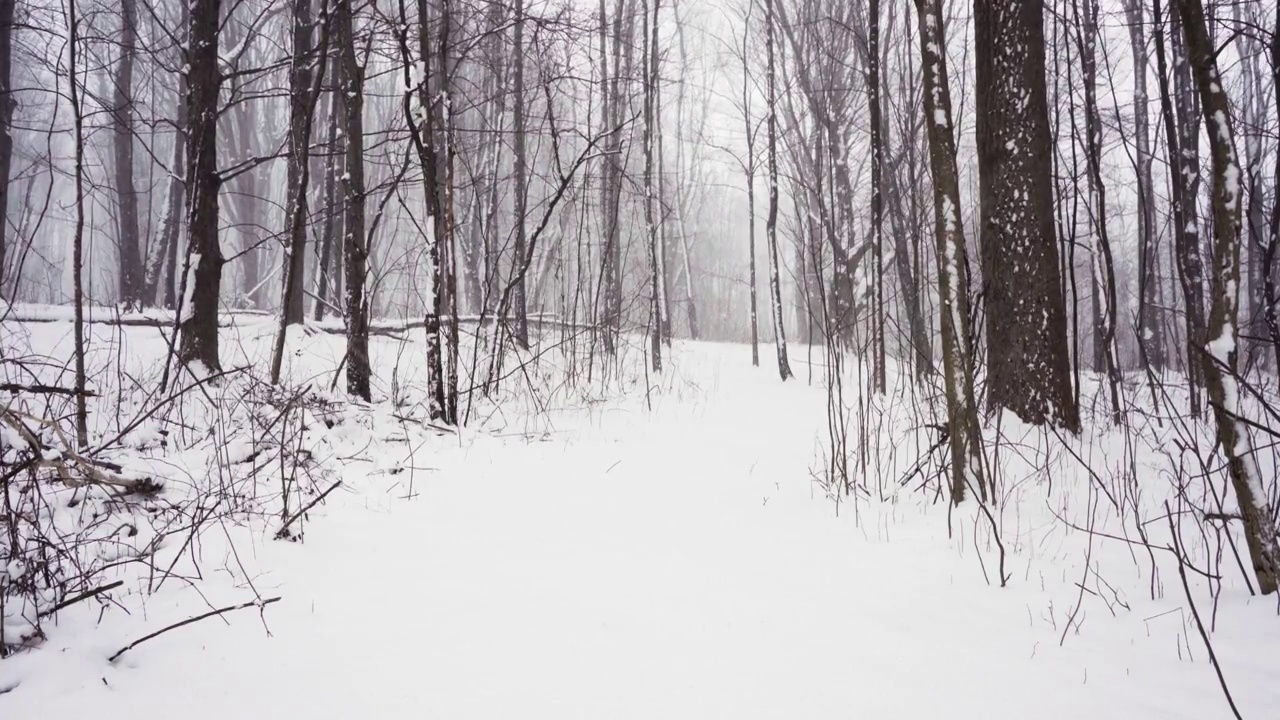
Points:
(771, 221)
(964, 434)
(304, 93)
(354, 246)
(877, 181)
(1027, 352)
(1150, 328)
(521, 321)
(1104, 274)
(650, 33)
(302, 98)
(130, 254)
(1220, 353)
(202, 277)
(7, 105)
(76, 92)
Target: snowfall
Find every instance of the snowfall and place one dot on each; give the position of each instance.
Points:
(625, 545)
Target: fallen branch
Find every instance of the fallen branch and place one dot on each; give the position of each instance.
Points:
(252, 603)
(82, 596)
(41, 389)
(283, 532)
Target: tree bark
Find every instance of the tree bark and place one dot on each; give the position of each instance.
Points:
(771, 221)
(1027, 352)
(1190, 253)
(163, 261)
(877, 181)
(202, 279)
(964, 434)
(520, 323)
(354, 249)
(301, 105)
(1104, 274)
(303, 97)
(326, 272)
(7, 105)
(130, 254)
(77, 243)
(1220, 356)
(1150, 326)
(749, 167)
(650, 32)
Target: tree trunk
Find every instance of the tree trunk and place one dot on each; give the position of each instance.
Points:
(1220, 356)
(7, 105)
(1027, 351)
(877, 181)
(301, 104)
(325, 272)
(130, 254)
(1103, 265)
(202, 279)
(1150, 326)
(354, 249)
(750, 170)
(1190, 254)
(650, 211)
(1187, 258)
(520, 326)
(964, 434)
(77, 243)
(447, 296)
(771, 221)
(163, 261)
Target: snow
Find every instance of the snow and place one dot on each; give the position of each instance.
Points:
(606, 560)
(187, 306)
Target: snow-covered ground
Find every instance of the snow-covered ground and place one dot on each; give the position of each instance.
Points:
(621, 554)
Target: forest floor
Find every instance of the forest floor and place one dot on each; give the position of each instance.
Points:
(634, 554)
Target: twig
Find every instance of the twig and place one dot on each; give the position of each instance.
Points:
(283, 532)
(188, 621)
(82, 596)
(42, 389)
(1213, 657)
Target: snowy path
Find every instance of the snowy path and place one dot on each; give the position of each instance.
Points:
(630, 565)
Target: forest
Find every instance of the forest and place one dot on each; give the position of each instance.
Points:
(639, 358)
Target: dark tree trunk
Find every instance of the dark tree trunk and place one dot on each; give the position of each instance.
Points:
(203, 277)
(877, 180)
(301, 103)
(1104, 276)
(1190, 251)
(7, 105)
(623, 62)
(1027, 351)
(130, 254)
(1220, 353)
(354, 249)
(302, 112)
(1184, 224)
(1150, 324)
(162, 264)
(520, 323)
(77, 242)
(446, 277)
